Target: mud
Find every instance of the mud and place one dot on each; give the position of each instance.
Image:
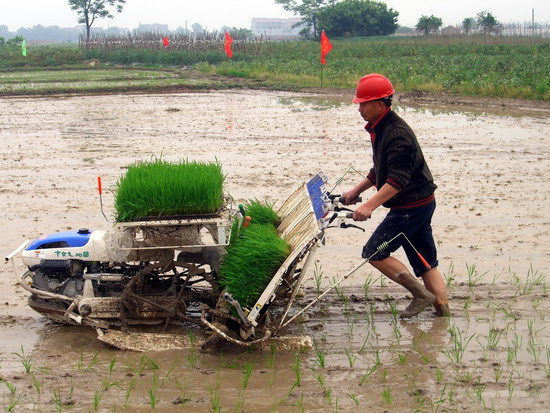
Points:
(492, 225)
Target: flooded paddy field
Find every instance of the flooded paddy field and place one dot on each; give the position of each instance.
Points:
(492, 226)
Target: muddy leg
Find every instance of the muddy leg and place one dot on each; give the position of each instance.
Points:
(396, 271)
(435, 284)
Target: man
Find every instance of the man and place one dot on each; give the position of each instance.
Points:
(405, 185)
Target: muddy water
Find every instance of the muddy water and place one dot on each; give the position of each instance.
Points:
(492, 227)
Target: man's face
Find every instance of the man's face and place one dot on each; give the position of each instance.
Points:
(371, 111)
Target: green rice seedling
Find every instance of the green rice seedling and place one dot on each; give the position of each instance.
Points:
(401, 358)
(416, 373)
(98, 395)
(159, 188)
(153, 399)
(300, 403)
(11, 387)
(168, 373)
(285, 397)
(392, 308)
(534, 349)
(193, 357)
(129, 391)
(271, 357)
(83, 366)
(319, 377)
(351, 357)
(508, 312)
(215, 397)
(547, 365)
(319, 356)
(296, 368)
(369, 372)
(25, 360)
(354, 398)
(327, 393)
(498, 372)
(111, 366)
(365, 342)
(474, 277)
(435, 405)
(185, 396)
(248, 367)
(148, 363)
(369, 281)
(56, 399)
(458, 348)
(510, 386)
(37, 384)
(318, 277)
(14, 399)
(450, 275)
(438, 375)
(386, 395)
(251, 261)
(534, 278)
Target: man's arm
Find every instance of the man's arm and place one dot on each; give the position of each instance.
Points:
(364, 211)
(357, 190)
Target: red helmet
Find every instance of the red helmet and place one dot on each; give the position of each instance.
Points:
(373, 87)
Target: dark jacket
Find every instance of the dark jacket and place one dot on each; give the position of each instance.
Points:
(399, 162)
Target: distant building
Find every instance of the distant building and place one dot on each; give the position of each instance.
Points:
(275, 27)
(153, 28)
(451, 30)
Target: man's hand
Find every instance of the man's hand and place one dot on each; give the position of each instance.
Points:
(362, 213)
(350, 195)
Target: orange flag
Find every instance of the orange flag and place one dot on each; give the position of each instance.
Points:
(165, 41)
(227, 45)
(325, 47)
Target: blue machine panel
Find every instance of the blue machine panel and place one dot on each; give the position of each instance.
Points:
(65, 239)
(317, 194)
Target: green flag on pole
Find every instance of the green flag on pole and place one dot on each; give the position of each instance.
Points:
(24, 47)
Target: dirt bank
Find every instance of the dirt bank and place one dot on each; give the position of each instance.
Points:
(492, 227)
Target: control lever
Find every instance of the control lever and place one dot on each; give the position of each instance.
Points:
(343, 215)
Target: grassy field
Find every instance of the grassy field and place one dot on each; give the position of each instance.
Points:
(513, 67)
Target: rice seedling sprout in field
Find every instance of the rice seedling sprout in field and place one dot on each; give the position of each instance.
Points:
(296, 368)
(159, 188)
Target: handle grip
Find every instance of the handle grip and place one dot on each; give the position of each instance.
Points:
(355, 200)
(340, 215)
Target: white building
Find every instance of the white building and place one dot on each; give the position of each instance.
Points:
(275, 27)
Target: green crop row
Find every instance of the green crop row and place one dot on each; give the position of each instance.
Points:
(487, 66)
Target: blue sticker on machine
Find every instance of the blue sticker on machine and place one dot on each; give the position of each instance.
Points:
(65, 239)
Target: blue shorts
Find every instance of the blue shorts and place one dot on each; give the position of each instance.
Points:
(415, 223)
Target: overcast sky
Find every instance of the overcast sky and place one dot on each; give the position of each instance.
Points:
(213, 14)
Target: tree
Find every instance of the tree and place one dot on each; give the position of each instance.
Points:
(488, 23)
(358, 18)
(428, 24)
(468, 24)
(197, 29)
(236, 33)
(89, 10)
(308, 10)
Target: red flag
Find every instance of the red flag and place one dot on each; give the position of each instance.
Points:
(325, 47)
(227, 45)
(165, 41)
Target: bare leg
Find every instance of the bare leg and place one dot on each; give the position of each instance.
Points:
(434, 283)
(396, 271)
